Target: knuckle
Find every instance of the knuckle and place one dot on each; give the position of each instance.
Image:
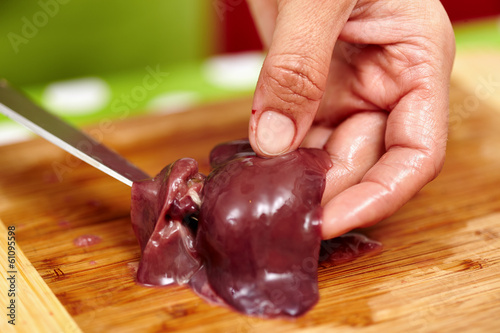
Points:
(428, 164)
(296, 80)
(428, 169)
(438, 160)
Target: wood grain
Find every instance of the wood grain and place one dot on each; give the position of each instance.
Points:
(439, 270)
(37, 309)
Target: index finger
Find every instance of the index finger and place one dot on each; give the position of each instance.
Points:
(294, 74)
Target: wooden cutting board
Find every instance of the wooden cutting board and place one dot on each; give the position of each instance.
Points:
(439, 270)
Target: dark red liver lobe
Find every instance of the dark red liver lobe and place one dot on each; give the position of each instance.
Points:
(254, 242)
(260, 231)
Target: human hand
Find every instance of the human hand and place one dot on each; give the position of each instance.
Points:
(365, 80)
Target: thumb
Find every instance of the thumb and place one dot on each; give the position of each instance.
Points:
(294, 74)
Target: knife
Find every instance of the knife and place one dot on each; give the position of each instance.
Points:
(21, 109)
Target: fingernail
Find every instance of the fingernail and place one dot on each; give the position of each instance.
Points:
(275, 133)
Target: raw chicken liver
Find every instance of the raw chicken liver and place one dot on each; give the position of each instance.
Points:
(260, 230)
(248, 236)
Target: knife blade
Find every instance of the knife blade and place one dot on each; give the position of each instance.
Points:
(15, 105)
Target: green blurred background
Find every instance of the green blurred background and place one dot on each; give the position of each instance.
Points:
(67, 53)
(50, 40)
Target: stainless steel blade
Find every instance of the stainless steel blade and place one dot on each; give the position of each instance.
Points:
(21, 109)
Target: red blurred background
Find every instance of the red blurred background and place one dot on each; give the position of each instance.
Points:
(239, 34)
